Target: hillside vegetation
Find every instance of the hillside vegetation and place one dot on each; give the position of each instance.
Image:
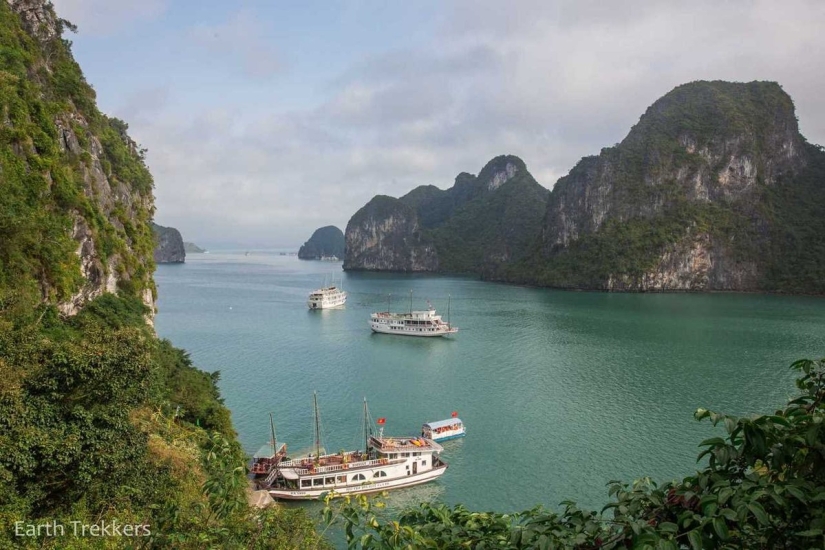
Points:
(713, 189)
(481, 221)
(100, 421)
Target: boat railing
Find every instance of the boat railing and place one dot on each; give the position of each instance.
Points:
(339, 467)
(270, 479)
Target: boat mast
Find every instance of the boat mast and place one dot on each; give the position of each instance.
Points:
(410, 302)
(317, 428)
(366, 427)
(449, 299)
(272, 431)
(389, 302)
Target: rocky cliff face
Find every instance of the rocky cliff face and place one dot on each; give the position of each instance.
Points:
(94, 181)
(685, 202)
(384, 235)
(482, 220)
(325, 242)
(169, 248)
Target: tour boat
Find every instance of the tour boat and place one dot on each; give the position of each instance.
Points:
(444, 430)
(385, 463)
(268, 456)
(414, 323)
(327, 297)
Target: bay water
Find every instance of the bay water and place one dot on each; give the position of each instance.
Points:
(560, 391)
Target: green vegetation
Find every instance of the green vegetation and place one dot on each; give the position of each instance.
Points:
(648, 203)
(325, 241)
(48, 172)
(796, 257)
(99, 420)
(474, 228)
(763, 487)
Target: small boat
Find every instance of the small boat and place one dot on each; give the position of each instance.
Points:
(326, 297)
(414, 323)
(444, 430)
(385, 463)
(268, 456)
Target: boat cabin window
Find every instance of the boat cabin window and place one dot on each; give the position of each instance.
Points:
(416, 454)
(306, 483)
(358, 477)
(318, 481)
(405, 454)
(330, 481)
(423, 462)
(380, 473)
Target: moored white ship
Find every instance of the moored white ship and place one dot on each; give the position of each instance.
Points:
(326, 297)
(414, 323)
(386, 463)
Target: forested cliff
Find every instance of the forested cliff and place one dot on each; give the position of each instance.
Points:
(482, 220)
(713, 189)
(99, 420)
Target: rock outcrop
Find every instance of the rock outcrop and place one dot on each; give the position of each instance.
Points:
(384, 236)
(88, 174)
(480, 221)
(325, 242)
(698, 196)
(169, 248)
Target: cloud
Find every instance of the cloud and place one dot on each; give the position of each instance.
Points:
(107, 17)
(240, 41)
(548, 81)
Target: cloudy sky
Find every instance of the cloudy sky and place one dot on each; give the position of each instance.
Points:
(265, 120)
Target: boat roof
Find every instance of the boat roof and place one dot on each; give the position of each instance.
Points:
(443, 423)
(266, 451)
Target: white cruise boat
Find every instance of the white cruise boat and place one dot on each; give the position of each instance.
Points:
(386, 463)
(326, 297)
(414, 323)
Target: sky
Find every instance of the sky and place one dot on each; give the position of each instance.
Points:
(266, 120)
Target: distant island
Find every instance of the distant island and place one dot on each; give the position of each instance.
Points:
(169, 247)
(713, 189)
(192, 248)
(325, 243)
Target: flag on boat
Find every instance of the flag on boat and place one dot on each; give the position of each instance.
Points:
(381, 420)
(455, 414)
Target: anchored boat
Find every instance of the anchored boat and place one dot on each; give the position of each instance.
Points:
(385, 463)
(444, 430)
(268, 456)
(414, 323)
(327, 297)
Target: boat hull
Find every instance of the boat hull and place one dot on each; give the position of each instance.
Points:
(326, 304)
(385, 329)
(448, 437)
(361, 489)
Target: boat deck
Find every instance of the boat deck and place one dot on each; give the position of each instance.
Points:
(402, 444)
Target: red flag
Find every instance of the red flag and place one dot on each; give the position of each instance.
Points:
(455, 414)
(381, 420)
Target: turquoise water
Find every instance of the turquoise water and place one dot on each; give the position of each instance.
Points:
(560, 391)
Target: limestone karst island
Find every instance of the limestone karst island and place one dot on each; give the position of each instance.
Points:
(416, 275)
